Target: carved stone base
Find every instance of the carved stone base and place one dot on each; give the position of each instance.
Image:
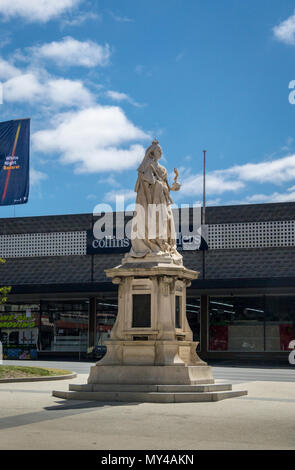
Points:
(160, 259)
(146, 374)
(151, 352)
(150, 393)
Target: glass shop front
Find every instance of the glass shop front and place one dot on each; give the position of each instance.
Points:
(251, 324)
(52, 327)
(239, 323)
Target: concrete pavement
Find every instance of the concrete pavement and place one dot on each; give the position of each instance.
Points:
(30, 418)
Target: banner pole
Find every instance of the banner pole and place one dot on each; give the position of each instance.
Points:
(204, 188)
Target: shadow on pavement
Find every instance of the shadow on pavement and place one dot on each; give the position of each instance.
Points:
(89, 404)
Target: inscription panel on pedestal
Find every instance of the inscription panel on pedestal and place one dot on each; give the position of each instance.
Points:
(141, 311)
(178, 312)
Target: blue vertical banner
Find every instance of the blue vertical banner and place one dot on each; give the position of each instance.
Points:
(14, 162)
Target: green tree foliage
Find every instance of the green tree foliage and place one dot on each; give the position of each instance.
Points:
(4, 291)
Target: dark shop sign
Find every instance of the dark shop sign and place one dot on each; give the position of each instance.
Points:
(122, 245)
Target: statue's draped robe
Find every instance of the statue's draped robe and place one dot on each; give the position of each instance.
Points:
(152, 233)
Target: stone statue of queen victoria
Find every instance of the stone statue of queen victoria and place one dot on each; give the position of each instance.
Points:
(153, 229)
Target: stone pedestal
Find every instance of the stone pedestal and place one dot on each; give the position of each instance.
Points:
(151, 355)
(151, 330)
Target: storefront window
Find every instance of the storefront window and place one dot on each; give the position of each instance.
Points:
(236, 324)
(251, 324)
(64, 326)
(106, 313)
(19, 330)
(280, 322)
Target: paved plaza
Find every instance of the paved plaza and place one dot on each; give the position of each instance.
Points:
(30, 418)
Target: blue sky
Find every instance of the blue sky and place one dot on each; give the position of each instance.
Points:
(100, 79)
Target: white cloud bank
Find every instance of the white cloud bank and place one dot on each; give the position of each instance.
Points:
(285, 31)
(22, 88)
(36, 10)
(217, 182)
(92, 139)
(287, 196)
(69, 92)
(275, 171)
(278, 171)
(37, 87)
(71, 52)
(7, 70)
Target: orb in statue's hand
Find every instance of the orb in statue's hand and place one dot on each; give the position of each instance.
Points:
(175, 186)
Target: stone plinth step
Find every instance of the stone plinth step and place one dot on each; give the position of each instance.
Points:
(149, 388)
(153, 397)
(150, 374)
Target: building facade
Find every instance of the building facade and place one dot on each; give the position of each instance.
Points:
(242, 306)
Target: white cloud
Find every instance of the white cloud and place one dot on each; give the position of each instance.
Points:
(267, 198)
(118, 96)
(216, 183)
(36, 176)
(72, 52)
(7, 70)
(25, 87)
(110, 180)
(38, 86)
(121, 195)
(35, 10)
(213, 202)
(285, 31)
(92, 140)
(276, 171)
(69, 92)
(287, 196)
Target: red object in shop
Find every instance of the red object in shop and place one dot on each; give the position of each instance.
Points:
(287, 334)
(218, 338)
(104, 327)
(71, 325)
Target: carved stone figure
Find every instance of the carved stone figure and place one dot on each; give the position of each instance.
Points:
(153, 230)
